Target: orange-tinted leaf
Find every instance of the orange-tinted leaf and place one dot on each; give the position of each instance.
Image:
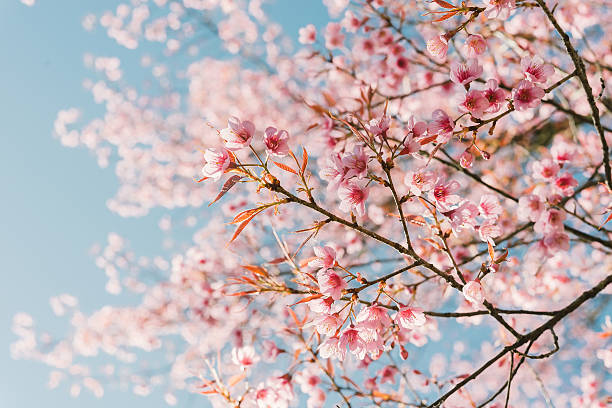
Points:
(502, 257)
(444, 4)
(202, 179)
(445, 16)
(277, 261)
(308, 299)
(231, 182)
(242, 226)
(245, 215)
(491, 251)
(295, 318)
(257, 270)
(236, 379)
(304, 160)
(244, 293)
(382, 395)
(426, 140)
(285, 167)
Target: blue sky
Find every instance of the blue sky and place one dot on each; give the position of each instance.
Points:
(53, 198)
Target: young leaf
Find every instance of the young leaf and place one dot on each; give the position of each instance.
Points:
(491, 251)
(444, 4)
(285, 167)
(304, 160)
(231, 182)
(446, 16)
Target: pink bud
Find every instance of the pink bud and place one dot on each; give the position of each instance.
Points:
(466, 160)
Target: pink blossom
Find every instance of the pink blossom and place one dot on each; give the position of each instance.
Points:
(333, 36)
(462, 216)
(536, 70)
(530, 207)
(565, 184)
(379, 126)
(465, 72)
(442, 125)
(238, 134)
(499, 9)
(466, 159)
(438, 46)
(331, 348)
(356, 163)
(217, 161)
(327, 324)
(321, 305)
(326, 258)
(334, 172)
(410, 317)
(443, 195)
(330, 283)
(244, 357)
(473, 293)
(550, 221)
(475, 103)
(494, 95)
(353, 197)
(556, 241)
(545, 169)
(562, 152)
(475, 46)
(489, 206)
(350, 22)
(420, 181)
(489, 230)
(526, 95)
(374, 317)
(308, 379)
(308, 34)
(276, 142)
(387, 374)
(351, 337)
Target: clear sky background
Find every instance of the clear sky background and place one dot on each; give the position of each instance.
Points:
(52, 198)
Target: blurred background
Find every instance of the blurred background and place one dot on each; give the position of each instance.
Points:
(53, 199)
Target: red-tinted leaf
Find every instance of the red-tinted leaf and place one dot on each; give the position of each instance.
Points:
(426, 140)
(236, 379)
(257, 270)
(295, 318)
(285, 167)
(245, 214)
(308, 299)
(231, 182)
(445, 16)
(202, 179)
(444, 4)
(502, 257)
(606, 220)
(491, 251)
(242, 226)
(304, 160)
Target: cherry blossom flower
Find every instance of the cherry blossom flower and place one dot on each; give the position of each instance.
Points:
(438, 46)
(526, 95)
(466, 159)
(350, 22)
(556, 241)
(536, 70)
(356, 163)
(333, 36)
(217, 161)
(495, 95)
(335, 172)
(464, 216)
(420, 181)
(330, 283)
(473, 293)
(489, 230)
(441, 125)
(326, 258)
(549, 221)
(374, 317)
(489, 206)
(475, 103)
(307, 34)
(545, 169)
(499, 9)
(387, 374)
(443, 195)
(530, 207)
(327, 324)
(238, 134)
(276, 142)
(410, 317)
(465, 72)
(331, 348)
(351, 337)
(244, 357)
(565, 184)
(353, 197)
(379, 126)
(308, 379)
(475, 46)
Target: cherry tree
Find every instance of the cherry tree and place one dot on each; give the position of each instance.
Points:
(407, 208)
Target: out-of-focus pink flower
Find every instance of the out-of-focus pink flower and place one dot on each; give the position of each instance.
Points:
(244, 357)
(530, 207)
(466, 159)
(353, 197)
(270, 351)
(545, 169)
(499, 9)
(374, 317)
(326, 258)
(562, 152)
(316, 398)
(443, 195)
(526, 95)
(475, 103)
(438, 46)
(420, 181)
(333, 36)
(330, 283)
(465, 72)
(473, 293)
(276, 142)
(308, 34)
(494, 95)
(238, 134)
(308, 379)
(556, 241)
(489, 206)
(565, 183)
(475, 46)
(350, 22)
(410, 317)
(489, 230)
(217, 161)
(356, 163)
(387, 374)
(536, 70)
(442, 125)
(550, 221)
